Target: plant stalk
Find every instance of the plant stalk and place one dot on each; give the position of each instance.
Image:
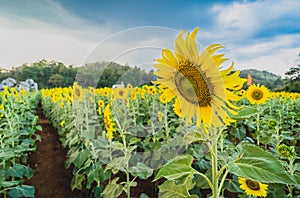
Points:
(214, 162)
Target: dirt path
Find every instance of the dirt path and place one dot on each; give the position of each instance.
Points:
(50, 178)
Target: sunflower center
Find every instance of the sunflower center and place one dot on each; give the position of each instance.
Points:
(191, 84)
(257, 94)
(121, 93)
(252, 184)
(77, 92)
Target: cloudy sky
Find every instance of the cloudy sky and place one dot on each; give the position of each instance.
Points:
(262, 34)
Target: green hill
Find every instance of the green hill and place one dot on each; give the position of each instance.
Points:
(270, 80)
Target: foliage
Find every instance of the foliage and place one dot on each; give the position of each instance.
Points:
(143, 142)
(50, 74)
(293, 79)
(18, 124)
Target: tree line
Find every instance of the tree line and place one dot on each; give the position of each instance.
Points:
(50, 74)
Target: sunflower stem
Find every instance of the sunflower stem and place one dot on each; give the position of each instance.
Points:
(214, 163)
(257, 127)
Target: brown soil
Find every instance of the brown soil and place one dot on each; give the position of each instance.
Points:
(51, 178)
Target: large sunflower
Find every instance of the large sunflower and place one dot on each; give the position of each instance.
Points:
(257, 94)
(200, 87)
(253, 188)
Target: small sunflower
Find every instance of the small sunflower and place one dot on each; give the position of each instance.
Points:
(1, 110)
(137, 90)
(120, 93)
(62, 123)
(106, 91)
(253, 188)
(257, 94)
(242, 93)
(160, 116)
(101, 104)
(133, 96)
(108, 121)
(197, 82)
(152, 90)
(129, 86)
(78, 92)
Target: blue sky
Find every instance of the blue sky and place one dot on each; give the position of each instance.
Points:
(263, 34)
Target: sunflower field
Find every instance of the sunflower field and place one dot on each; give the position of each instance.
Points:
(117, 137)
(197, 131)
(18, 124)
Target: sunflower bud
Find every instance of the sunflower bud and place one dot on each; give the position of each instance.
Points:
(285, 151)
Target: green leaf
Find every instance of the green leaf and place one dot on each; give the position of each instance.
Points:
(259, 165)
(117, 164)
(77, 181)
(16, 171)
(39, 127)
(178, 170)
(170, 189)
(246, 112)
(143, 195)
(38, 137)
(22, 191)
(97, 190)
(6, 155)
(7, 184)
(112, 189)
(28, 172)
(141, 170)
(92, 175)
(81, 158)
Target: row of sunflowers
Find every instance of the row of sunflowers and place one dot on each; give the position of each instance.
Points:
(118, 136)
(195, 133)
(18, 124)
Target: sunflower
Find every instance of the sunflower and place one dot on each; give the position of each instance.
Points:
(133, 96)
(62, 123)
(160, 116)
(1, 110)
(257, 94)
(78, 92)
(106, 91)
(152, 90)
(108, 121)
(137, 90)
(120, 93)
(101, 104)
(253, 188)
(129, 86)
(242, 93)
(197, 82)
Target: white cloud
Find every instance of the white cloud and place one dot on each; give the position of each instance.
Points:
(48, 31)
(240, 24)
(245, 19)
(26, 38)
(276, 55)
(57, 35)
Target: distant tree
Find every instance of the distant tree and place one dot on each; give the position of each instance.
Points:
(292, 82)
(100, 74)
(293, 73)
(56, 80)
